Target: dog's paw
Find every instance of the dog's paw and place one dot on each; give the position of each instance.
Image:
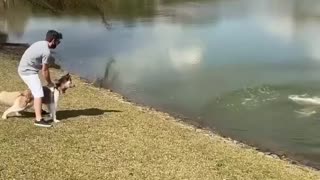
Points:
(4, 117)
(18, 114)
(56, 120)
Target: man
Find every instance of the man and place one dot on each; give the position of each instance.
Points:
(34, 59)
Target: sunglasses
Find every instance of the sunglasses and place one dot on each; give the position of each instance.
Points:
(57, 41)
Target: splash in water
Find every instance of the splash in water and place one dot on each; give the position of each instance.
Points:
(311, 104)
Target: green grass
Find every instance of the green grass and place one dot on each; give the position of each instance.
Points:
(103, 137)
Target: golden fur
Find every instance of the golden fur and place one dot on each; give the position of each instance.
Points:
(10, 98)
(19, 101)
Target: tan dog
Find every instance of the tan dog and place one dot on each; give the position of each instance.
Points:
(20, 101)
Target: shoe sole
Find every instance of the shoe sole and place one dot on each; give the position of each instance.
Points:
(43, 125)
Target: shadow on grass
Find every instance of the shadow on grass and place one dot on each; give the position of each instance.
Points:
(65, 114)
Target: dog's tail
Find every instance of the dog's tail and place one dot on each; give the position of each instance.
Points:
(8, 98)
(3, 97)
(2, 94)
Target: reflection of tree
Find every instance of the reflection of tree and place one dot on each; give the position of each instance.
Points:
(124, 10)
(128, 11)
(108, 78)
(44, 5)
(7, 3)
(167, 2)
(102, 15)
(14, 16)
(3, 37)
(65, 7)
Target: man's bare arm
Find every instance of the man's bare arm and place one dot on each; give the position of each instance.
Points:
(46, 73)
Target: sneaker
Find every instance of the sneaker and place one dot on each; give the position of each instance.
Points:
(42, 123)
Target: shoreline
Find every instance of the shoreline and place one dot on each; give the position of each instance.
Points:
(213, 136)
(213, 132)
(189, 124)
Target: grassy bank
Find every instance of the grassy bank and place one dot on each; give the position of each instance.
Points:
(103, 137)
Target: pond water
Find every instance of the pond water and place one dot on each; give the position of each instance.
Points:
(228, 65)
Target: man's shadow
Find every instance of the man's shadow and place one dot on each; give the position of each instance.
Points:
(66, 114)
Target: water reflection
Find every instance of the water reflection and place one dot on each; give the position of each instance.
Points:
(227, 64)
(13, 18)
(3, 37)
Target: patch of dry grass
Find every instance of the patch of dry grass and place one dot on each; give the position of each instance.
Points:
(101, 137)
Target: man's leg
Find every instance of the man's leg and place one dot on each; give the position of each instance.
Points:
(38, 108)
(34, 84)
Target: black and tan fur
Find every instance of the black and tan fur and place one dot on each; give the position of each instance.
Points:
(20, 101)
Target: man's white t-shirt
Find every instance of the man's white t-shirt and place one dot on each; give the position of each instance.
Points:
(33, 58)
